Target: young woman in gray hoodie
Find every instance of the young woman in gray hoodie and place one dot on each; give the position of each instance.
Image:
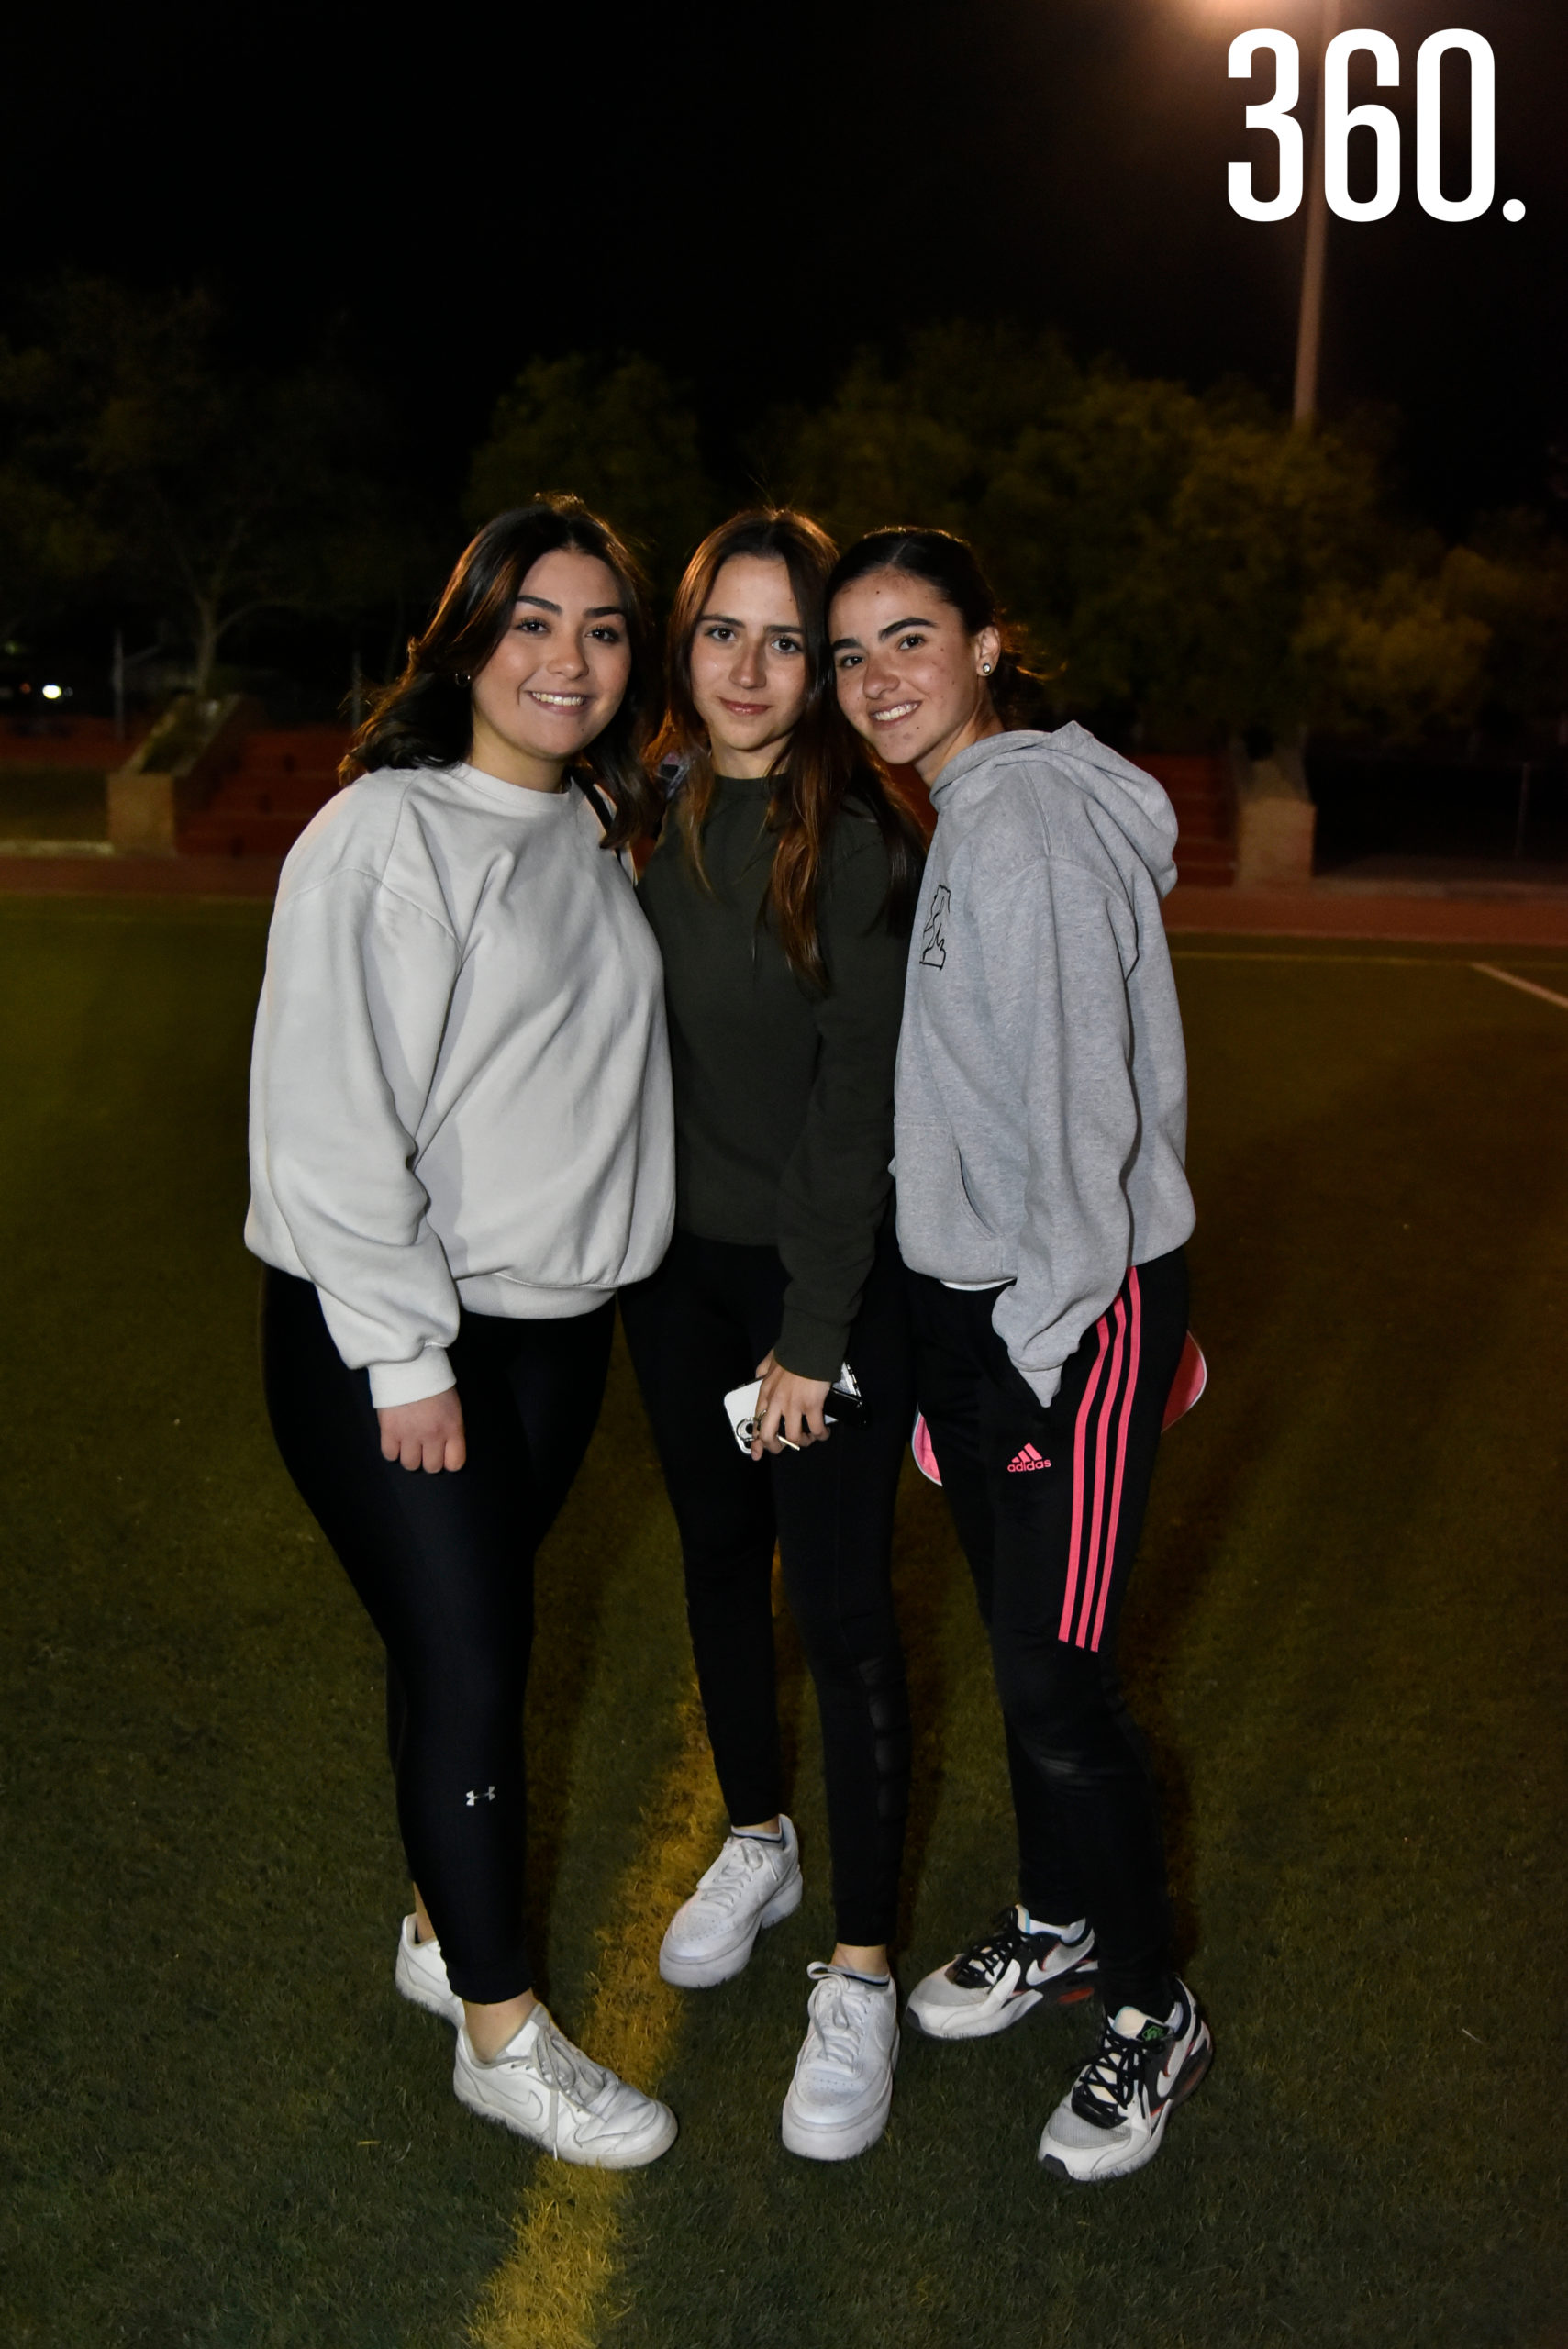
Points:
(1039, 1127)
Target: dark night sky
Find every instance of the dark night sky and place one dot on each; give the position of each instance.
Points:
(748, 193)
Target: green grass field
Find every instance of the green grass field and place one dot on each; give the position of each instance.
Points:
(219, 2125)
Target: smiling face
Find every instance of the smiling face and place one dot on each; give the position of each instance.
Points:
(557, 676)
(911, 679)
(748, 664)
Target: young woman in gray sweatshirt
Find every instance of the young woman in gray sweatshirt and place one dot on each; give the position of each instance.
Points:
(1040, 1116)
(460, 1147)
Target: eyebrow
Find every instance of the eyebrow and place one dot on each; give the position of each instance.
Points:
(842, 644)
(771, 627)
(593, 612)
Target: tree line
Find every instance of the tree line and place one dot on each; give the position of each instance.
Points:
(1180, 566)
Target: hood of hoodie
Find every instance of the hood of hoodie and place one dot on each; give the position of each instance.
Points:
(1133, 801)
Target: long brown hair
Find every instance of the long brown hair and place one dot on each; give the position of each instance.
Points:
(425, 716)
(822, 766)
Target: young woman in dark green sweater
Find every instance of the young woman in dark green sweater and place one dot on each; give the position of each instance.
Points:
(781, 893)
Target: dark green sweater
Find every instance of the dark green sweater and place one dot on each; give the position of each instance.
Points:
(784, 1094)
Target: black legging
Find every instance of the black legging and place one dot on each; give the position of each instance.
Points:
(444, 1565)
(1049, 1505)
(697, 1329)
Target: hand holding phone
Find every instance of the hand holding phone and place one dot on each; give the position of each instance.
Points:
(843, 1402)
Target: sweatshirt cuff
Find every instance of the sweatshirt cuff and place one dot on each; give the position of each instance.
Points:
(428, 1374)
(812, 1349)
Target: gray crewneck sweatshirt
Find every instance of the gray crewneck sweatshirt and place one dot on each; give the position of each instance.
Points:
(1040, 1098)
(459, 1089)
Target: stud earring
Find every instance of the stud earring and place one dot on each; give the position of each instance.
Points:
(986, 668)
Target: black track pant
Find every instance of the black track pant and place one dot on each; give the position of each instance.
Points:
(444, 1565)
(697, 1329)
(1049, 1505)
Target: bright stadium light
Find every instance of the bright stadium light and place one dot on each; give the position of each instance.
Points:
(1309, 318)
(1248, 14)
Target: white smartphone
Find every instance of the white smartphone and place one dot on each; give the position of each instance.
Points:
(741, 1411)
(740, 1407)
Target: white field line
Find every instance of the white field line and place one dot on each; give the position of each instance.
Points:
(1397, 962)
(1242, 954)
(557, 2286)
(1526, 986)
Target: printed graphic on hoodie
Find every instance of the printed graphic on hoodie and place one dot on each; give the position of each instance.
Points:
(933, 938)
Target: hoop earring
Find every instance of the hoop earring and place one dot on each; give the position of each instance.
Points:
(462, 678)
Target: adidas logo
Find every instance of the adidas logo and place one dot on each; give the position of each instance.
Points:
(1022, 1461)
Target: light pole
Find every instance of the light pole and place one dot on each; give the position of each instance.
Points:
(1310, 323)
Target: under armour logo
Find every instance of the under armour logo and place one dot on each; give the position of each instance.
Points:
(933, 939)
(1022, 1461)
(479, 1794)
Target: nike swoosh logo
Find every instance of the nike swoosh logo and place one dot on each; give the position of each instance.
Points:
(1193, 2043)
(1038, 1975)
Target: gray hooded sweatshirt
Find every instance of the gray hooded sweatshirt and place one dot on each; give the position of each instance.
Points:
(1041, 1094)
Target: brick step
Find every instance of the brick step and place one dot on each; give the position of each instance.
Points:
(1195, 786)
(281, 778)
(69, 743)
(1182, 767)
(254, 796)
(320, 745)
(1196, 795)
(213, 834)
(1191, 844)
(1210, 868)
(322, 781)
(274, 794)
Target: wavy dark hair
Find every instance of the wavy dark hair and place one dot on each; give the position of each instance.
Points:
(949, 564)
(426, 717)
(822, 768)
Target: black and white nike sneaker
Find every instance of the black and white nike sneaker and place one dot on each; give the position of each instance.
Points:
(998, 1978)
(1114, 2117)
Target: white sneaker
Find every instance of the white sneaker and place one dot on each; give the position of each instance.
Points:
(754, 1882)
(550, 2091)
(1112, 2119)
(422, 1974)
(843, 2090)
(997, 1981)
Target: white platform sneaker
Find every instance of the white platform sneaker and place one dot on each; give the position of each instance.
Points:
(422, 1974)
(843, 2090)
(1113, 2119)
(754, 1882)
(547, 2089)
(1018, 1965)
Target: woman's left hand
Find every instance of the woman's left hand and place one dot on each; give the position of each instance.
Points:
(789, 1409)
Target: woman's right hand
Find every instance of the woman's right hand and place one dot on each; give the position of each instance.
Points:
(427, 1434)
